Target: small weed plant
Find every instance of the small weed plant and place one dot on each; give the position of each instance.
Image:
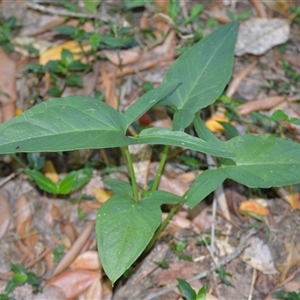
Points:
(128, 222)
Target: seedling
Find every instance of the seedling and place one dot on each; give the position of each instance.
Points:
(20, 277)
(127, 223)
(189, 293)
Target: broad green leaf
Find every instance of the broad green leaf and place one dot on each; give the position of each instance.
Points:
(165, 136)
(124, 228)
(204, 70)
(147, 101)
(62, 124)
(119, 187)
(205, 183)
(262, 161)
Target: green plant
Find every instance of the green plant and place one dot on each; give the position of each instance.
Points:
(6, 28)
(189, 293)
(287, 295)
(20, 277)
(125, 223)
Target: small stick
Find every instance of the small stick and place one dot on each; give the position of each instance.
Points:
(239, 249)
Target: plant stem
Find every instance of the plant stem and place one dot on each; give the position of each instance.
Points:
(131, 173)
(160, 168)
(162, 226)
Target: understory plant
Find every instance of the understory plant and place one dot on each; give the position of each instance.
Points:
(127, 222)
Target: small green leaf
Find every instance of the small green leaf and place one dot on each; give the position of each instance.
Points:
(74, 180)
(66, 30)
(279, 115)
(95, 41)
(91, 5)
(74, 80)
(207, 182)
(67, 57)
(43, 182)
(19, 278)
(186, 289)
(201, 295)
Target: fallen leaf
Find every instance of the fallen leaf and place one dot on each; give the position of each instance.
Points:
(55, 52)
(94, 291)
(49, 293)
(74, 282)
(213, 123)
(292, 259)
(258, 256)
(5, 215)
(49, 171)
(123, 57)
(75, 249)
(23, 217)
(257, 35)
(254, 207)
(102, 195)
(8, 92)
(88, 260)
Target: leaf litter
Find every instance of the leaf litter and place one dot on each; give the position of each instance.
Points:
(34, 224)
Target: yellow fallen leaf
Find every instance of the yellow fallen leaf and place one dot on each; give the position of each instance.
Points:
(213, 125)
(55, 52)
(102, 195)
(18, 111)
(253, 207)
(49, 171)
(293, 197)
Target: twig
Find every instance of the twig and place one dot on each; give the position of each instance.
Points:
(8, 178)
(239, 249)
(66, 13)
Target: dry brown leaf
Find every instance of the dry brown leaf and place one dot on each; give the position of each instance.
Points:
(75, 249)
(292, 197)
(261, 104)
(219, 15)
(173, 185)
(94, 291)
(253, 207)
(88, 260)
(123, 57)
(8, 93)
(257, 36)
(74, 282)
(109, 87)
(292, 259)
(176, 270)
(5, 215)
(259, 257)
(160, 118)
(23, 219)
(49, 171)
